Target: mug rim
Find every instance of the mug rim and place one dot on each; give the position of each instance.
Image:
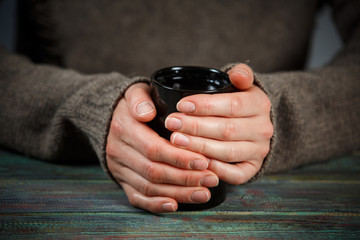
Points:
(174, 68)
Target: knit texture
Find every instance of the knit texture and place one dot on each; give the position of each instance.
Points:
(56, 114)
(63, 113)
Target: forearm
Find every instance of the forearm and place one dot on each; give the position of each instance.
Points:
(315, 117)
(316, 113)
(56, 114)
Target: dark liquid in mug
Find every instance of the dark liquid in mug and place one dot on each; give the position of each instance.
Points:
(192, 83)
(192, 80)
(168, 86)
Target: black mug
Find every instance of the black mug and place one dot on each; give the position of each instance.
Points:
(167, 87)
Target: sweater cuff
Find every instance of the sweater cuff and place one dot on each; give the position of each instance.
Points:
(117, 95)
(94, 106)
(101, 152)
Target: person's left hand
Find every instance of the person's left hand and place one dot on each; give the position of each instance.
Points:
(232, 129)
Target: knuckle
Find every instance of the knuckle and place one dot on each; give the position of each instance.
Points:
(152, 173)
(152, 207)
(111, 150)
(181, 196)
(117, 127)
(151, 150)
(194, 128)
(146, 188)
(264, 151)
(208, 106)
(136, 202)
(235, 104)
(203, 148)
(233, 154)
(111, 165)
(179, 161)
(189, 180)
(266, 105)
(228, 131)
(268, 131)
(178, 196)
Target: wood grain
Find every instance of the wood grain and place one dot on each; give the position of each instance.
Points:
(39, 200)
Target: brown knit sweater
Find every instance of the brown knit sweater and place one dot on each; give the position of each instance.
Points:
(94, 50)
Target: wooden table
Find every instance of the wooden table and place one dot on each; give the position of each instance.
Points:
(39, 200)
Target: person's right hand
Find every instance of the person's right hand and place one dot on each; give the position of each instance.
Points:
(154, 174)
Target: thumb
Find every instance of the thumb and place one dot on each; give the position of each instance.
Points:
(140, 103)
(241, 76)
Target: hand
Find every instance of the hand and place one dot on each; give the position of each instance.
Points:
(154, 174)
(232, 129)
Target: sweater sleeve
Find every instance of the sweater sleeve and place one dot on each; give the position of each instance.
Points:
(56, 114)
(316, 114)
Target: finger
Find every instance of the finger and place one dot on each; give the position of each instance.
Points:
(237, 173)
(241, 76)
(146, 141)
(234, 151)
(140, 103)
(151, 204)
(220, 128)
(178, 193)
(239, 104)
(157, 172)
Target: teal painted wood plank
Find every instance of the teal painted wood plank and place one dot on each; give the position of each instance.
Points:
(39, 200)
(178, 225)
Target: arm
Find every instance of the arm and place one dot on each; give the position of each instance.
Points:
(315, 114)
(63, 116)
(55, 114)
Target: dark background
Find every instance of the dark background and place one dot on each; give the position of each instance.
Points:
(326, 41)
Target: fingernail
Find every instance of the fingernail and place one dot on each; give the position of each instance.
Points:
(180, 140)
(173, 123)
(243, 72)
(168, 207)
(144, 108)
(200, 196)
(210, 181)
(199, 164)
(185, 107)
